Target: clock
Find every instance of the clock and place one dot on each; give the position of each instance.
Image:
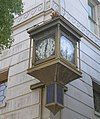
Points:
(54, 48)
(67, 49)
(45, 48)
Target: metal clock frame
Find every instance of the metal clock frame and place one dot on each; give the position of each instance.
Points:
(55, 26)
(57, 55)
(34, 62)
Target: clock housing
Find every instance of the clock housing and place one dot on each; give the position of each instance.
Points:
(55, 52)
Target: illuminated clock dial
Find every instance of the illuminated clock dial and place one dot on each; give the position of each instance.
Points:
(67, 49)
(45, 48)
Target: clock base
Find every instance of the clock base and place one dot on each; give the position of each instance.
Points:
(56, 71)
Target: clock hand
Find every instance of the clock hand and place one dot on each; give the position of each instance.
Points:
(46, 47)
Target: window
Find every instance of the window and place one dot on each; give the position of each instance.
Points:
(62, 3)
(3, 85)
(50, 94)
(54, 94)
(96, 95)
(91, 16)
(91, 10)
(54, 97)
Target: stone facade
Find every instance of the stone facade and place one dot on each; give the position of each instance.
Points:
(23, 103)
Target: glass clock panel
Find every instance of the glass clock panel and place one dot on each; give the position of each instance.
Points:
(45, 48)
(67, 49)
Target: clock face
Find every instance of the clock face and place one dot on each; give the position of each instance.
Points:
(67, 49)
(45, 48)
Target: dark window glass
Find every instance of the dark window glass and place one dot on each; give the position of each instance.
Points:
(50, 96)
(91, 15)
(96, 94)
(59, 94)
(97, 101)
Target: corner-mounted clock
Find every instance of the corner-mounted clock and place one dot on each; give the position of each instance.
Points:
(55, 52)
(55, 57)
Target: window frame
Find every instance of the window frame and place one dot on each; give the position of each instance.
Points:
(92, 6)
(4, 83)
(92, 17)
(93, 22)
(3, 80)
(96, 89)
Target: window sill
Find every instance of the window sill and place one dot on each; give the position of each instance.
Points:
(97, 113)
(3, 104)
